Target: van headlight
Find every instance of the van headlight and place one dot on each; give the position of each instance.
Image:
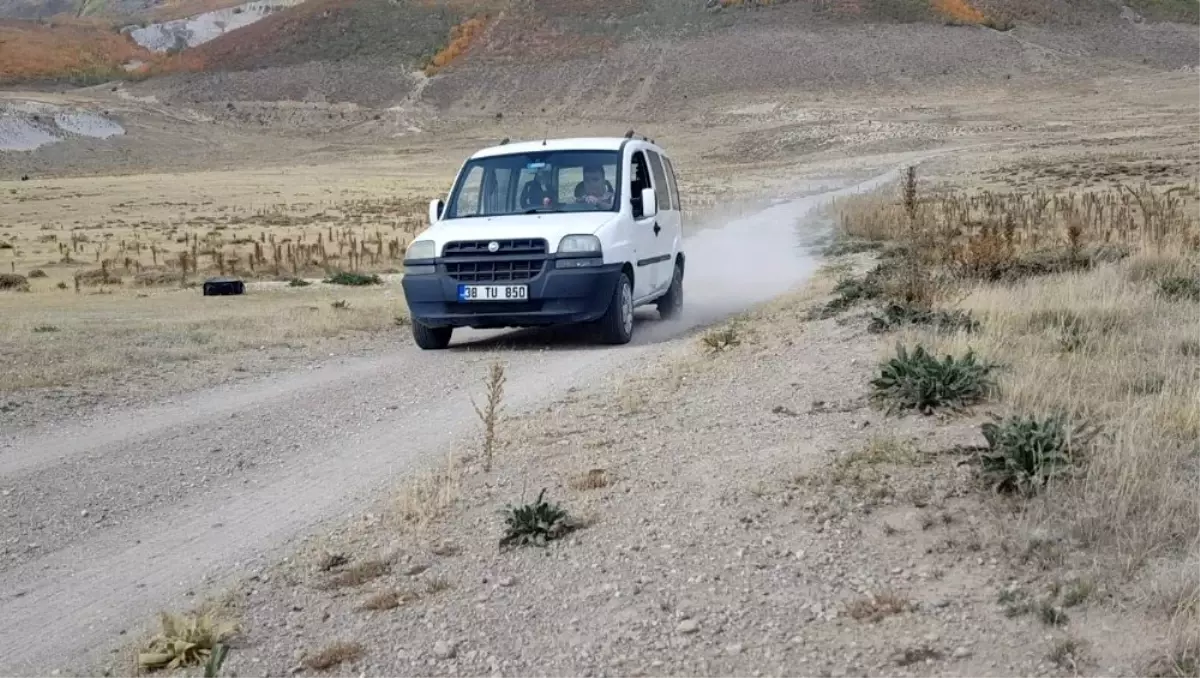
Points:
(579, 244)
(417, 251)
(579, 251)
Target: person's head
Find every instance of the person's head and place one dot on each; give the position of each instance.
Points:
(593, 180)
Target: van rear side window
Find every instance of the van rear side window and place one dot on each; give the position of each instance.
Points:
(661, 193)
(675, 200)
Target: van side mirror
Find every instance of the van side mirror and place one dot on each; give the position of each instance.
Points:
(649, 203)
(435, 210)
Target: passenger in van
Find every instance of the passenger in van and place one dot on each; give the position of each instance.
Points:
(536, 193)
(595, 189)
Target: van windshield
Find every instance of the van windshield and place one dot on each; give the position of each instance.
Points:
(538, 182)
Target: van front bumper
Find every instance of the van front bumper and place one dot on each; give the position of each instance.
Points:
(557, 296)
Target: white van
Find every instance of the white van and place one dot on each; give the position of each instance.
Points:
(550, 232)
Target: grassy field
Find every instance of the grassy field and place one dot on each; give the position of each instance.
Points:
(1070, 317)
(102, 273)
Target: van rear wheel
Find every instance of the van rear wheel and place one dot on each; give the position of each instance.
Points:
(431, 338)
(670, 305)
(616, 325)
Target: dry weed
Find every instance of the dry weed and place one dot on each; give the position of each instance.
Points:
(491, 411)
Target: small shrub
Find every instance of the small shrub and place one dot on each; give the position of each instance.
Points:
(353, 279)
(42, 329)
(1065, 653)
(844, 246)
(1024, 452)
(61, 285)
(919, 381)
(593, 479)
(36, 273)
(875, 608)
(334, 654)
(895, 315)
(850, 291)
(1179, 288)
(536, 523)
(13, 282)
(340, 305)
(720, 339)
(184, 640)
(298, 282)
(359, 574)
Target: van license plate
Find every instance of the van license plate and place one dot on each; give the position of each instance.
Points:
(493, 292)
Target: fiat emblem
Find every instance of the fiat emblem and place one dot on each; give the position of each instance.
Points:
(493, 247)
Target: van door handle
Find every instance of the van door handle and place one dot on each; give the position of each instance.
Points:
(657, 228)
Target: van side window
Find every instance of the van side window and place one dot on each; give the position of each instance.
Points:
(639, 179)
(661, 193)
(671, 181)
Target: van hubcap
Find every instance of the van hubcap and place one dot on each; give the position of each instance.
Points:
(626, 308)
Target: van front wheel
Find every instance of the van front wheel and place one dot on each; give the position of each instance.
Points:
(431, 338)
(616, 325)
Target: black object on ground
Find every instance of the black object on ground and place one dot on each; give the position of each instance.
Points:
(223, 286)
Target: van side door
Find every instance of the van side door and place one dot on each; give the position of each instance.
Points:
(667, 224)
(645, 237)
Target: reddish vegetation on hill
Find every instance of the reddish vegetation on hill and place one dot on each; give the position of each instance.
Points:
(70, 50)
(462, 36)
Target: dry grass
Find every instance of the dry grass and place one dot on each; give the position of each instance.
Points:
(426, 498)
(103, 334)
(1082, 331)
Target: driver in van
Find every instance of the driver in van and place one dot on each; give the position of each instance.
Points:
(537, 191)
(595, 188)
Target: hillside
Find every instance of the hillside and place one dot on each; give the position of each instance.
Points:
(365, 70)
(85, 45)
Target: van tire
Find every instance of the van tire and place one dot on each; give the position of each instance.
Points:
(431, 338)
(616, 325)
(670, 305)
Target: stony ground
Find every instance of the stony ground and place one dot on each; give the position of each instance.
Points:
(742, 511)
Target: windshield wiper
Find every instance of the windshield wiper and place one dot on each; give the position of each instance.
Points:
(535, 210)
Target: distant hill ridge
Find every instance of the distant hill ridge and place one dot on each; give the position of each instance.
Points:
(600, 55)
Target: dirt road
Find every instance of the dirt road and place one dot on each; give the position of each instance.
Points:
(109, 519)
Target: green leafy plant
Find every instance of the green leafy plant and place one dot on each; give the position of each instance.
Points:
(850, 291)
(353, 279)
(185, 640)
(1025, 452)
(213, 666)
(535, 524)
(298, 282)
(895, 315)
(919, 381)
